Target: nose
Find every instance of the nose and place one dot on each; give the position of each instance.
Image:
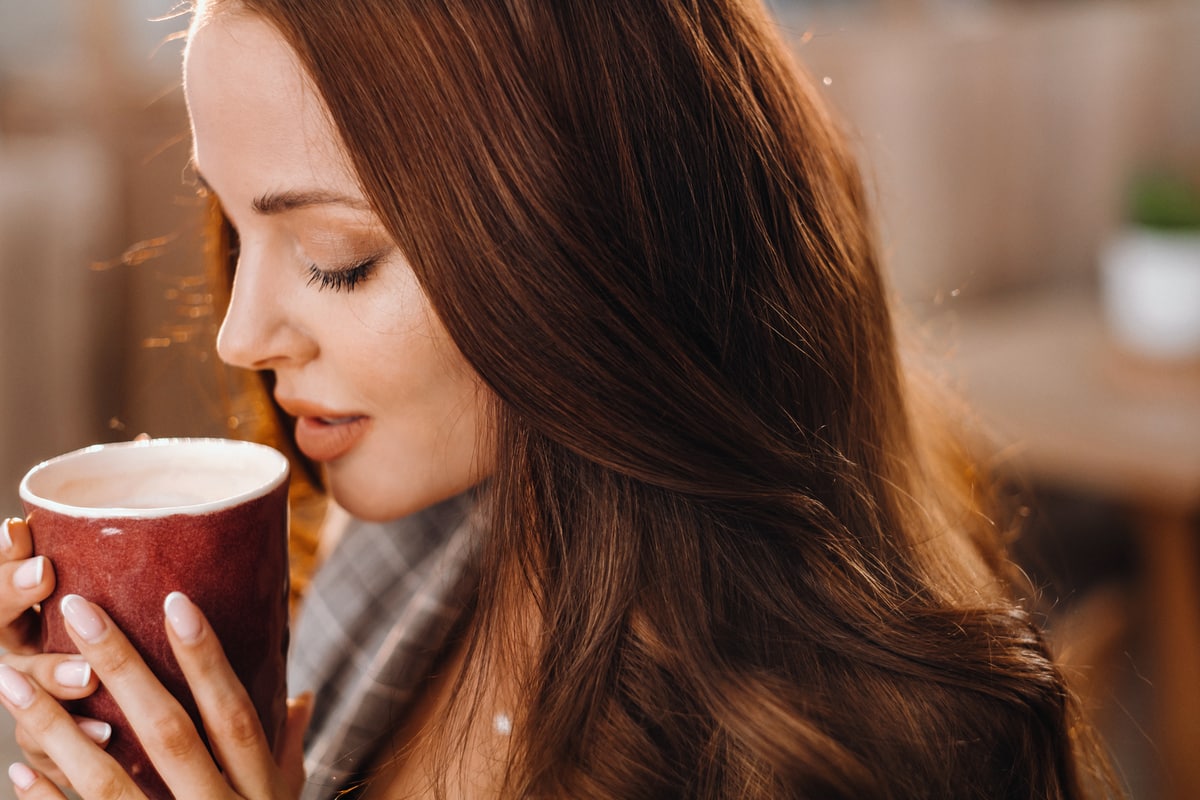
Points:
(262, 329)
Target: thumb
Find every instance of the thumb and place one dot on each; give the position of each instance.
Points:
(289, 752)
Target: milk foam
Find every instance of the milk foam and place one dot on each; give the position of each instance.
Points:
(191, 475)
(147, 489)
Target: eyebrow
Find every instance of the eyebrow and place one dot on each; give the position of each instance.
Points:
(279, 202)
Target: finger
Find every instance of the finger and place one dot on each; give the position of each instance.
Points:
(63, 675)
(289, 753)
(37, 758)
(24, 583)
(29, 784)
(98, 731)
(162, 726)
(90, 770)
(230, 719)
(15, 542)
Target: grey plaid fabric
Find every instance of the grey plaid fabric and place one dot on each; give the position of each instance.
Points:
(375, 618)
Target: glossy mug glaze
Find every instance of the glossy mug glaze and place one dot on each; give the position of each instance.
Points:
(127, 524)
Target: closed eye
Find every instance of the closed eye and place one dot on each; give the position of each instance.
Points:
(342, 278)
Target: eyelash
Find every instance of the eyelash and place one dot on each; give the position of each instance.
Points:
(342, 279)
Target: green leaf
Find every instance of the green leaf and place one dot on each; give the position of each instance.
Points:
(1167, 202)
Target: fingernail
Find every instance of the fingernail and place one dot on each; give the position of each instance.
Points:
(29, 574)
(21, 775)
(15, 687)
(6, 541)
(73, 674)
(99, 732)
(82, 617)
(183, 616)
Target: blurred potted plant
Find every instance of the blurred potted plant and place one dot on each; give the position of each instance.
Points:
(1150, 271)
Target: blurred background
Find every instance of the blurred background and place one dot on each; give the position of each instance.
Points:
(1007, 144)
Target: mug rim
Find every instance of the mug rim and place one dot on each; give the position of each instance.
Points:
(273, 479)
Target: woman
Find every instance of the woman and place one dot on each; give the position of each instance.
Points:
(585, 294)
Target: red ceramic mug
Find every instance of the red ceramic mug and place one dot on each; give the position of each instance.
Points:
(127, 524)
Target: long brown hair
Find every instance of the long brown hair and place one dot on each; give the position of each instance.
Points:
(756, 575)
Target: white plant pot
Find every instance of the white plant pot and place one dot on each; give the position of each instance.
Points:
(1150, 288)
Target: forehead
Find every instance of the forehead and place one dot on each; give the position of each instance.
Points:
(251, 101)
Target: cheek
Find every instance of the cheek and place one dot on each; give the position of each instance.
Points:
(410, 368)
(462, 408)
(391, 302)
(399, 353)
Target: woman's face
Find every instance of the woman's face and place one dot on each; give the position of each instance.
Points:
(381, 395)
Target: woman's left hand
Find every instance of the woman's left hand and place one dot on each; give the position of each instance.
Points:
(244, 765)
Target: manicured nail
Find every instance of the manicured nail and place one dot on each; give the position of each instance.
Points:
(183, 616)
(82, 617)
(73, 674)
(29, 574)
(6, 541)
(99, 732)
(21, 775)
(15, 687)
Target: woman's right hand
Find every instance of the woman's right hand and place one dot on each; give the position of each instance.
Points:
(26, 581)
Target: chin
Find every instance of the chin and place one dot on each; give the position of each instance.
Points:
(374, 503)
(367, 503)
(370, 509)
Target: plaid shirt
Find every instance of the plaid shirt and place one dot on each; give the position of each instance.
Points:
(373, 621)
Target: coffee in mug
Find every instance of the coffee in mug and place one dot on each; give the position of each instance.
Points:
(127, 524)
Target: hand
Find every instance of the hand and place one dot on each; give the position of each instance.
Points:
(244, 765)
(24, 582)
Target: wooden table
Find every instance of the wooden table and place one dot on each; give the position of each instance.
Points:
(1077, 412)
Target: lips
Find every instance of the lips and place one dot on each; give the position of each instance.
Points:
(323, 434)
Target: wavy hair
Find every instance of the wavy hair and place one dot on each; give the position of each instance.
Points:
(757, 574)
